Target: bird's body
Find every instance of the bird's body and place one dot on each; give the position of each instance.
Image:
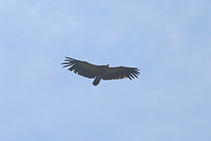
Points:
(99, 72)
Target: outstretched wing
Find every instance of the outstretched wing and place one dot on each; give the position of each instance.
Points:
(81, 67)
(121, 72)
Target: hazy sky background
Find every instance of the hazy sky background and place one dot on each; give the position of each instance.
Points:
(169, 41)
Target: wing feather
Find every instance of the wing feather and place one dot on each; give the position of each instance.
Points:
(81, 67)
(121, 72)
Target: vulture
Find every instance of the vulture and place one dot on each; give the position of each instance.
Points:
(99, 72)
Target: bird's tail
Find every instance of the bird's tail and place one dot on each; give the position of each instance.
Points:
(96, 81)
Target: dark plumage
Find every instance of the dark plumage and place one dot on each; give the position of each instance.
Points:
(99, 72)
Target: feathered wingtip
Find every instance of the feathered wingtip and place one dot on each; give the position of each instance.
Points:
(68, 62)
(134, 74)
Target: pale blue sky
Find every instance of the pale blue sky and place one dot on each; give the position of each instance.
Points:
(169, 41)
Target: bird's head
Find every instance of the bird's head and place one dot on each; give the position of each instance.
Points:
(107, 65)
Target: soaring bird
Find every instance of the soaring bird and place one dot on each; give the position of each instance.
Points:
(99, 72)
